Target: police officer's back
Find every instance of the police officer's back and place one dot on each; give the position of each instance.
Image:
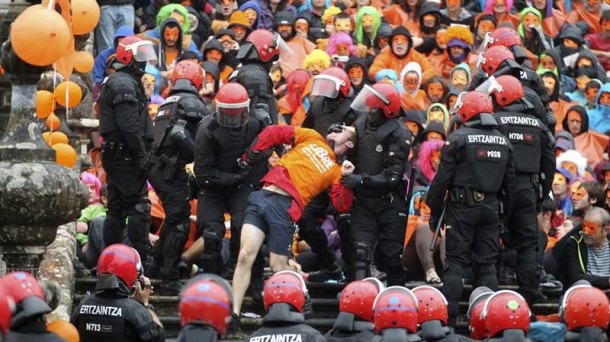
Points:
(355, 320)
(27, 323)
(205, 309)
(534, 166)
(110, 314)
(257, 54)
(126, 128)
(284, 298)
(476, 165)
(174, 147)
(395, 315)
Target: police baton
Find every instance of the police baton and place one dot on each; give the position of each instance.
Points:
(437, 231)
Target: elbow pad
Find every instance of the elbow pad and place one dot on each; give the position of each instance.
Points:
(261, 110)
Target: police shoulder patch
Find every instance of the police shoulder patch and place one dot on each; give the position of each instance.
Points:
(173, 98)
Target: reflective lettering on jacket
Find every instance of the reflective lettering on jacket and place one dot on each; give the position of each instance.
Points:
(519, 120)
(278, 338)
(101, 310)
(486, 139)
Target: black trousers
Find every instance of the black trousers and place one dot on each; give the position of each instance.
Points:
(171, 185)
(472, 238)
(380, 220)
(312, 233)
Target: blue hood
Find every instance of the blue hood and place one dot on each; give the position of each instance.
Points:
(121, 32)
(604, 89)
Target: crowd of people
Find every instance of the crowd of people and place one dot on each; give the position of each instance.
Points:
(439, 141)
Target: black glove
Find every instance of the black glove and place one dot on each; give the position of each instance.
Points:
(142, 162)
(352, 181)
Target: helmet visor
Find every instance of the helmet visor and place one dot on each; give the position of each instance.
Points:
(144, 52)
(369, 100)
(490, 86)
(325, 85)
(232, 114)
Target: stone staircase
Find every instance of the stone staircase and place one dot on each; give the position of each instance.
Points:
(325, 306)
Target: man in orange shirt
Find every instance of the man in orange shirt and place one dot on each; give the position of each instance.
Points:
(301, 174)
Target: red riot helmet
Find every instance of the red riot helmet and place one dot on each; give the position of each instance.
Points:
(330, 83)
(476, 323)
(285, 287)
(27, 294)
(207, 299)
(133, 48)
(585, 306)
(7, 308)
(188, 70)
(508, 90)
(358, 297)
(507, 37)
(232, 105)
(380, 95)
(395, 307)
(506, 310)
(261, 45)
(432, 304)
(122, 261)
(492, 58)
(472, 103)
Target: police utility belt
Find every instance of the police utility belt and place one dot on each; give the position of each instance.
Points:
(469, 196)
(116, 151)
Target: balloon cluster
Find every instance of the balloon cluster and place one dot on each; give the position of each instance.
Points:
(43, 35)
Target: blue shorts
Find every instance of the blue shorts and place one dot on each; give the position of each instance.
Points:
(268, 211)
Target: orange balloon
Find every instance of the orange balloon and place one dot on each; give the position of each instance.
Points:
(65, 64)
(75, 94)
(40, 36)
(44, 103)
(85, 16)
(65, 330)
(53, 122)
(65, 155)
(83, 61)
(55, 137)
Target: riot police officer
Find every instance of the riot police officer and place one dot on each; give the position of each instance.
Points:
(379, 211)
(476, 165)
(23, 294)
(110, 314)
(127, 130)
(534, 168)
(257, 55)
(206, 305)
(174, 146)
(222, 138)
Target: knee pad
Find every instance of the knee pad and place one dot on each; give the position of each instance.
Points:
(212, 243)
(361, 252)
(211, 259)
(344, 221)
(361, 265)
(141, 207)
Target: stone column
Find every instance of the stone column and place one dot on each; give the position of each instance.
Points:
(36, 194)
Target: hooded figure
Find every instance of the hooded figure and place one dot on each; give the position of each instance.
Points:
(433, 115)
(588, 54)
(574, 34)
(366, 34)
(166, 59)
(590, 144)
(299, 46)
(415, 121)
(530, 31)
(267, 14)
(600, 116)
(427, 27)
(383, 37)
(457, 83)
(459, 44)
(99, 66)
(434, 131)
(256, 7)
(223, 65)
(357, 70)
(411, 79)
(295, 87)
(399, 54)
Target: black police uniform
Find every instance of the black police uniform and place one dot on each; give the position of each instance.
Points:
(174, 146)
(282, 324)
(534, 168)
(127, 130)
(111, 315)
(224, 186)
(323, 113)
(32, 331)
(476, 165)
(349, 328)
(197, 333)
(379, 211)
(254, 76)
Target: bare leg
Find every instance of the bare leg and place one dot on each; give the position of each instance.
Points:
(195, 251)
(252, 239)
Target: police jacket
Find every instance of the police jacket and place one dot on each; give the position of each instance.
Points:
(324, 112)
(176, 122)
(575, 260)
(259, 85)
(434, 331)
(197, 333)
(475, 157)
(217, 150)
(111, 315)
(31, 331)
(124, 114)
(532, 145)
(282, 324)
(381, 153)
(348, 328)
(398, 335)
